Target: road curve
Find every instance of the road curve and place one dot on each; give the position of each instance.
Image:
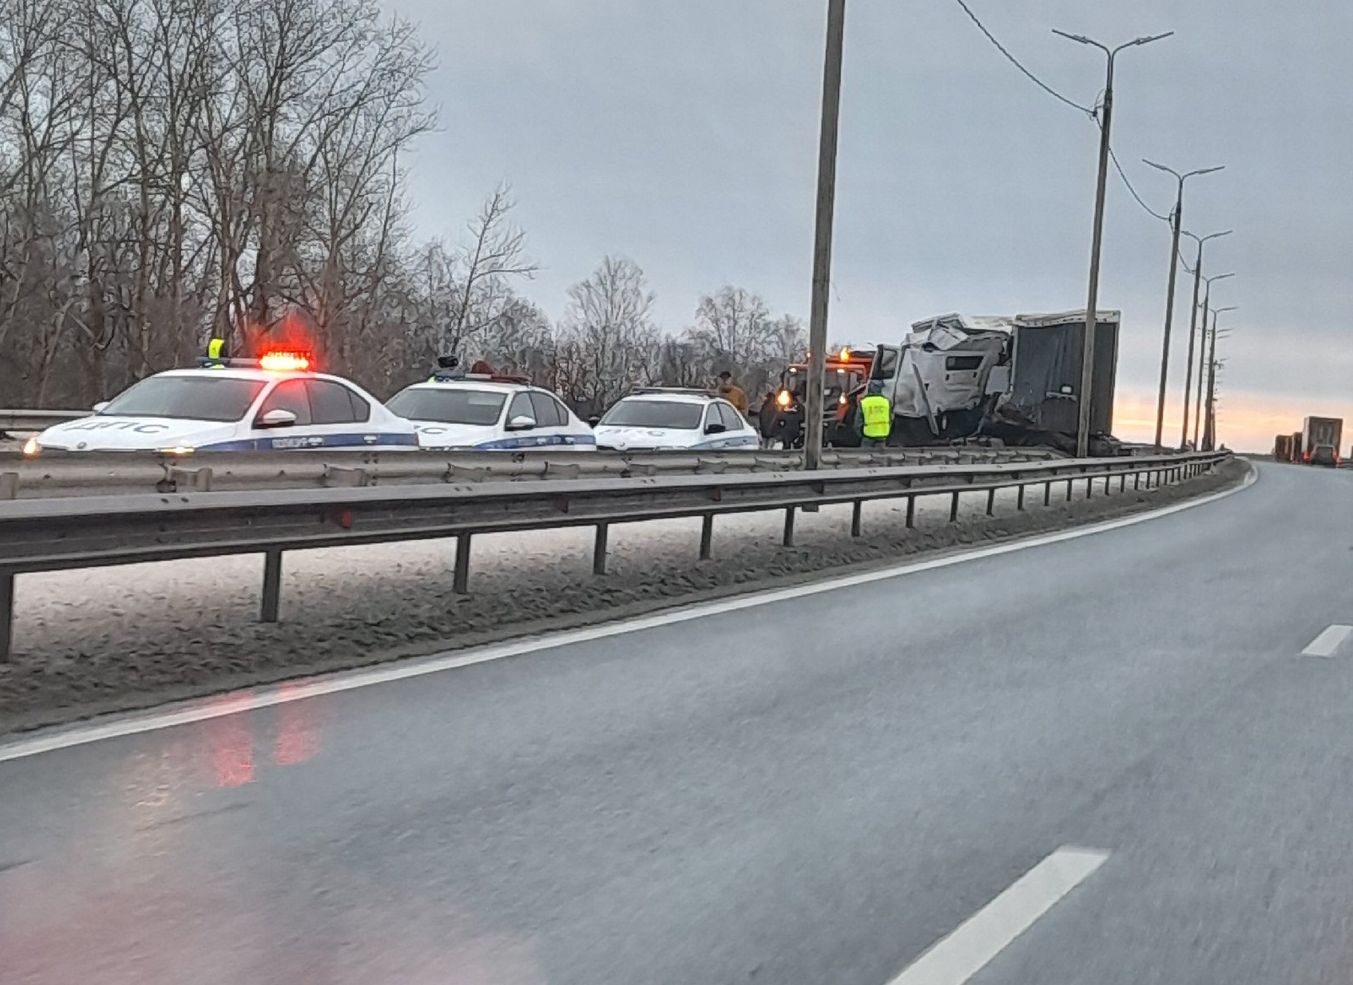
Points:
(813, 790)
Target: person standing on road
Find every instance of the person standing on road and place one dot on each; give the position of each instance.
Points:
(730, 391)
(876, 416)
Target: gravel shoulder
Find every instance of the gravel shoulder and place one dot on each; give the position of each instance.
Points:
(117, 639)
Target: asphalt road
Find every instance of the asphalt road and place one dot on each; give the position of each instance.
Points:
(812, 791)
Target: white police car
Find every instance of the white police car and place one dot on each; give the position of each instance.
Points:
(269, 403)
(658, 418)
(489, 413)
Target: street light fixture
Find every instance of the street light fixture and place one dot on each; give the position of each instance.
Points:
(1092, 304)
(1176, 219)
(1210, 428)
(1198, 403)
(1193, 325)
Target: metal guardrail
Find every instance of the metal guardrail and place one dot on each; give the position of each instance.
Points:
(97, 473)
(90, 531)
(36, 420)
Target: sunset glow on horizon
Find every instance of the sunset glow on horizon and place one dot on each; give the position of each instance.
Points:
(1246, 420)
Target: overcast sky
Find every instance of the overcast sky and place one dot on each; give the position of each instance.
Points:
(684, 136)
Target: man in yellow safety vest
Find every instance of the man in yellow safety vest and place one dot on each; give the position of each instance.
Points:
(876, 416)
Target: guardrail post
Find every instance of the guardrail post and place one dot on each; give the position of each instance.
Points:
(1107, 479)
(788, 540)
(6, 614)
(991, 502)
(598, 550)
(1019, 499)
(706, 536)
(1047, 492)
(460, 578)
(272, 585)
(1122, 482)
(911, 511)
(1089, 487)
(856, 518)
(953, 507)
(1068, 490)
(1136, 481)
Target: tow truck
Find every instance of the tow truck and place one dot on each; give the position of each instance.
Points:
(847, 373)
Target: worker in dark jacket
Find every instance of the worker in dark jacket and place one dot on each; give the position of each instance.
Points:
(876, 416)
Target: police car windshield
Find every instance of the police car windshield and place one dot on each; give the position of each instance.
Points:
(654, 414)
(194, 398)
(447, 406)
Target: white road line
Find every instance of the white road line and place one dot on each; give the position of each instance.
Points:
(185, 713)
(990, 930)
(1327, 642)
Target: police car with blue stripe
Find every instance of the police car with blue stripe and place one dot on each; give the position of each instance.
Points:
(663, 418)
(489, 412)
(265, 404)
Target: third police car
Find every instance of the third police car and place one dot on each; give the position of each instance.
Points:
(489, 412)
(660, 418)
(270, 403)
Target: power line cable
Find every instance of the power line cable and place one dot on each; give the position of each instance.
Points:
(1016, 62)
(1123, 174)
(1092, 113)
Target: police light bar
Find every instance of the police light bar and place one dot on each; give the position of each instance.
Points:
(459, 377)
(671, 389)
(499, 378)
(273, 362)
(284, 362)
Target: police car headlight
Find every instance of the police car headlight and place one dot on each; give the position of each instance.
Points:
(177, 450)
(31, 448)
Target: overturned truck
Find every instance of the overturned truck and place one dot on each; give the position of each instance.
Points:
(1014, 378)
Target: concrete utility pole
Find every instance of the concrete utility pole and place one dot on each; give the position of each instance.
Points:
(822, 245)
(1210, 428)
(1202, 347)
(1097, 236)
(1193, 327)
(1176, 220)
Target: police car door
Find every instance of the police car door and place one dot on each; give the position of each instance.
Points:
(736, 435)
(288, 395)
(551, 419)
(339, 416)
(537, 435)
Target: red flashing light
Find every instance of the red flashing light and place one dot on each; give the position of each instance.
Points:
(284, 362)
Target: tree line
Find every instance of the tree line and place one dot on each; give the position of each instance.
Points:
(177, 170)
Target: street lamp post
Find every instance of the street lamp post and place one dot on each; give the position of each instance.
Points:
(1097, 237)
(822, 245)
(1210, 428)
(1193, 326)
(1202, 363)
(1176, 220)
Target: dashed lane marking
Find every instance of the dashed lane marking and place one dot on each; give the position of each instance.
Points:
(988, 932)
(1327, 642)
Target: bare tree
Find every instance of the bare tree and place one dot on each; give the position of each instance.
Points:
(171, 169)
(608, 342)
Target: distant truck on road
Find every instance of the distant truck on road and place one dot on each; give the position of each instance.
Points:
(1320, 440)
